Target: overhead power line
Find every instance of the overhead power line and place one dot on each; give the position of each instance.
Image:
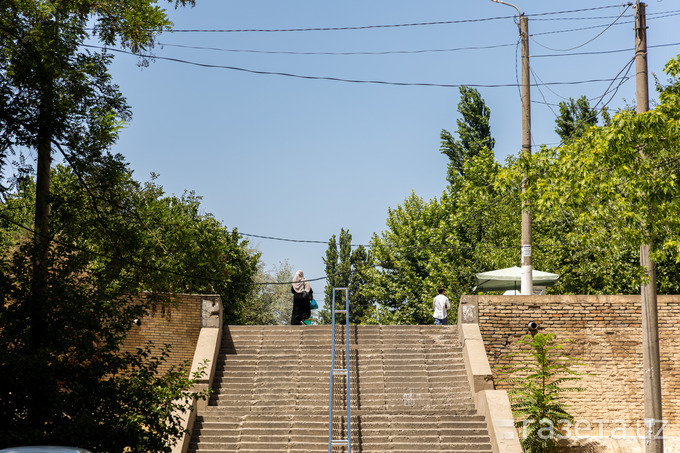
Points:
(403, 52)
(360, 27)
(602, 52)
(587, 42)
(339, 79)
(385, 52)
(310, 241)
(657, 15)
(619, 5)
(368, 27)
(661, 15)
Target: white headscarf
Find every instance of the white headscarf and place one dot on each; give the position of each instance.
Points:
(299, 283)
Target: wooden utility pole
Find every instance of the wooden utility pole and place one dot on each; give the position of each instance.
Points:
(527, 282)
(650, 324)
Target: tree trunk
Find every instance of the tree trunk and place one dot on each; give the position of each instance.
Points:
(41, 240)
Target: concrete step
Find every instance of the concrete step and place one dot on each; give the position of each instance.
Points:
(458, 417)
(409, 391)
(294, 445)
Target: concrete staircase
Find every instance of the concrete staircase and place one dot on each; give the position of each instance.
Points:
(409, 392)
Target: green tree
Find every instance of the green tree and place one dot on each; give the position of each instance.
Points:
(338, 266)
(345, 268)
(474, 132)
(443, 242)
(575, 117)
(403, 281)
(360, 301)
(618, 186)
(113, 237)
(590, 198)
(271, 302)
(58, 95)
(538, 375)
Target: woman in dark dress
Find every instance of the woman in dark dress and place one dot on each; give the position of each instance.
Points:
(302, 295)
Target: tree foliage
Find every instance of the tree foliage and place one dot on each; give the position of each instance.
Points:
(58, 95)
(575, 117)
(270, 301)
(443, 242)
(113, 237)
(474, 133)
(617, 186)
(594, 200)
(345, 268)
(81, 240)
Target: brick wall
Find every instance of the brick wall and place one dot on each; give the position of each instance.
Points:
(178, 324)
(606, 334)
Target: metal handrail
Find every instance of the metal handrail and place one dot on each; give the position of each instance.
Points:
(339, 371)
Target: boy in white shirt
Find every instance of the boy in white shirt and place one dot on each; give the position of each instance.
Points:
(441, 304)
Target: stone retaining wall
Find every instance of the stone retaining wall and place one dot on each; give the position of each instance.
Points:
(178, 324)
(606, 334)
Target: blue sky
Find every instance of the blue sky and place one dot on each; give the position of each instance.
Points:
(298, 158)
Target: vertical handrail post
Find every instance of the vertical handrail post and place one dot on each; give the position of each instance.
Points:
(330, 403)
(349, 426)
(345, 371)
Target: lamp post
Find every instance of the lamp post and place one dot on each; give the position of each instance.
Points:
(527, 286)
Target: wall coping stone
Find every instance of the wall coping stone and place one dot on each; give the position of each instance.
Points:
(206, 353)
(493, 404)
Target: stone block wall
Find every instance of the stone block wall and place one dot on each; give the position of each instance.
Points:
(607, 336)
(177, 323)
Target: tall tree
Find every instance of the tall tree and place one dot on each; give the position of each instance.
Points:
(113, 238)
(345, 268)
(338, 272)
(331, 269)
(360, 301)
(575, 117)
(57, 95)
(474, 132)
(442, 242)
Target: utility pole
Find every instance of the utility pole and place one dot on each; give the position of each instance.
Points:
(650, 324)
(527, 282)
(527, 285)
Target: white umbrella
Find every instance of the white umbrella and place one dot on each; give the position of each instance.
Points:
(511, 278)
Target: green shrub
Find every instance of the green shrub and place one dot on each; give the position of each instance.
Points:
(538, 374)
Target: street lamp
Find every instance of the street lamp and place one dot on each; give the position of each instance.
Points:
(527, 285)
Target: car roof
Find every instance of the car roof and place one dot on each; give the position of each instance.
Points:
(44, 449)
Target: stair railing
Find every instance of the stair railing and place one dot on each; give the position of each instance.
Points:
(339, 372)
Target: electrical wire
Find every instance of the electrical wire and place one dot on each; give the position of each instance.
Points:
(657, 15)
(553, 32)
(624, 79)
(387, 52)
(402, 52)
(337, 79)
(662, 15)
(587, 42)
(540, 91)
(310, 241)
(579, 10)
(368, 27)
(577, 18)
(361, 27)
(602, 52)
